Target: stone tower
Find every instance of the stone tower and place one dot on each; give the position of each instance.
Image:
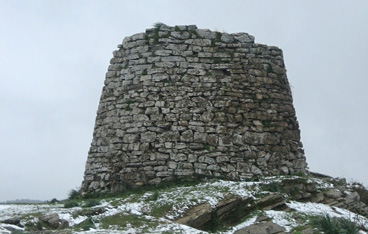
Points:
(181, 101)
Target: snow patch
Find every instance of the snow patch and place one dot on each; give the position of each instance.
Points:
(322, 209)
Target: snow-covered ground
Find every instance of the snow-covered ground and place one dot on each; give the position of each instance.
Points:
(179, 199)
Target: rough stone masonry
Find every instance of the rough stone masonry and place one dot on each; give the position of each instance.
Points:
(181, 101)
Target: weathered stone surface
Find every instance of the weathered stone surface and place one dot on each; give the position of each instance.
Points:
(54, 222)
(185, 98)
(262, 228)
(197, 216)
(333, 193)
(271, 201)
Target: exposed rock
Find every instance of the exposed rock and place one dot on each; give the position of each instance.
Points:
(54, 222)
(271, 201)
(13, 221)
(230, 209)
(197, 216)
(333, 193)
(262, 228)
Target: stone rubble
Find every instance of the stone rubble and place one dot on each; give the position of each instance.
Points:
(181, 101)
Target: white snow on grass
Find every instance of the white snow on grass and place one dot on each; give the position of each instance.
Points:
(244, 224)
(181, 198)
(282, 218)
(322, 209)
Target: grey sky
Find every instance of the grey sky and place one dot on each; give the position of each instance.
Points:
(54, 55)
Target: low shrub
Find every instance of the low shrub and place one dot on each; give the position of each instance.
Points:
(54, 200)
(73, 194)
(335, 225)
(71, 204)
(271, 187)
(91, 203)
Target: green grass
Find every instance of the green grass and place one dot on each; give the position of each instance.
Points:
(194, 32)
(85, 225)
(158, 25)
(213, 42)
(70, 204)
(271, 187)
(159, 210)
(334, 225)
(91, 203)
(218, 36)
(176, 182)
(154, 196)
(73, 194)
(121, 221)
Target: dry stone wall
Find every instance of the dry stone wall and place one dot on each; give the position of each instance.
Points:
(181, 101)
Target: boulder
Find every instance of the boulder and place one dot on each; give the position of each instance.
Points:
(262, 228)
(197, 216)
(53, 221)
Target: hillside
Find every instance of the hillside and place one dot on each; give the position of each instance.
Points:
(288, 204)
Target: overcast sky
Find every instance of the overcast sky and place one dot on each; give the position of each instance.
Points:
(54, 56)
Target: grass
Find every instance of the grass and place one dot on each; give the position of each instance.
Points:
(213, 42)
(73, 194)
(271, 187)
(35, 226)
(128, 108)
(154, 196)
(85, 225)
(206, 147)
(175, 182)
(218, 36)
(161, 210)
(158, 25)
(334, 225)
(91, 203)
(70, 204)
(121, 221)
(194, 32)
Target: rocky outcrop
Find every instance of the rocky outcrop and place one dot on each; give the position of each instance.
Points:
(262, 228)
(281, 204)
(53, 221)
(228, 211)
(234, 208)
(181, 101)
(340, 194)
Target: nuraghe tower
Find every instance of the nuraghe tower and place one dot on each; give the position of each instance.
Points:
(181, 101)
